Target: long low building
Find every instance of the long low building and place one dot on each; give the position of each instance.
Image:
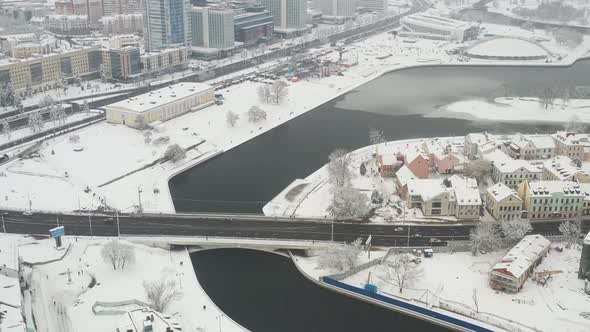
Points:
(510, 273)
(161, 105)
(436, 27)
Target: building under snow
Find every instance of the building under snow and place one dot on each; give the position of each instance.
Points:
(436, 27)
(584, 272)
(510, 273)
(160, 105)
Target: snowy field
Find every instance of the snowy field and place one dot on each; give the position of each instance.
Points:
(517, 109)
(451, 278)
(59, 305)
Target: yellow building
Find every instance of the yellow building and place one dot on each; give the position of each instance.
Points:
(503, 202)
(161, 105)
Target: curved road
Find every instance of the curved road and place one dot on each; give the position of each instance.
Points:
(245, 226)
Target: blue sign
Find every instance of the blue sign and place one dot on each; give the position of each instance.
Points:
(371, 288)
(57, 231)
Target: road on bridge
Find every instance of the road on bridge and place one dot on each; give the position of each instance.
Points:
(249, 226)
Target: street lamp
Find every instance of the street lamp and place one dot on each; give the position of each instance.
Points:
(219, 318)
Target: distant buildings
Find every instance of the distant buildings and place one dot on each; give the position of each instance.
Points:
(341, 8)
(503, 202)
(288, 15)
(166, 24)
(212, 27)
(125, 63)
(67, 24)
(43, 71)
(372, 5)
(575, 146)
(551, 199)
(121, 64)
(122, 24)
(561, 168)
(117, 7)
(160, 105)
(254, 25)
(510, 273)
(166, 60)
(474, 141)
(531, 147)
(436, 27)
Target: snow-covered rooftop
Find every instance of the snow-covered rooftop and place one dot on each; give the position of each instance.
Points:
(587, 239)
(522, 255)
(542, 141)
(426, 188)
(561, 167)
(508, 47)
(571, 138)
(148, 101)
(505, 164)
(9, 253)
(547, 188)
(466, 191)
(436, 22)
(500, 191)
(412, 154)
(404, 175)
(140, 320)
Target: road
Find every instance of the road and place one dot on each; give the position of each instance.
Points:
(246, 226)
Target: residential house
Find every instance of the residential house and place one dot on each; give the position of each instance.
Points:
(503, 202)
(467, 197)
(402, 177)
(561, 168)
(551, 199)
(473, 141)
(571, 145)
(531, 147)
(388, 163)
(417, 161)
(509, 171)
(510, 273)
(442, 158)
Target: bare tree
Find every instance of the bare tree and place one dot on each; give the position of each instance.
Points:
(85, 107)
(161, 293)
(402, 271)
(231, 118)
(264, 93)
(478, 169)
(571, 230)
(341, 257)
(339, 171)
(36, 123)
(575, 125)
(547, 97)
(485, 236)
(118, 254)
(278, 91)
(141, 123)
(475, 301)
(256, 114)
(376, 136)
(348, 202)
(5, 128)
(175, 153)
(46, 101)
(514, 230)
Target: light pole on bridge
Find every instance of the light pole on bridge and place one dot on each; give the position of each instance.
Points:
(118, 228)
(3, 225)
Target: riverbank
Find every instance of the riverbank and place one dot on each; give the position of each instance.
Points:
(91, 297)
(447, 284)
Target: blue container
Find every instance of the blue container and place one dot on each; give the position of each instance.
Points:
(371, 288)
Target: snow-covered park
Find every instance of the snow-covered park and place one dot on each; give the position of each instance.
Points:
(451, 278)
(63, 295)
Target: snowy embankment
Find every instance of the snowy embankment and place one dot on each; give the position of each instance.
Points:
(448, 280)
(310, 197)
(517, 109)
(59, 305)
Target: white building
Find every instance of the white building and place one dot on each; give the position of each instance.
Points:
(474, 141)
(510, 273)
(166, 24)
(122, 24)
(160, 105)
(372, 5)
(509, 171)
(436, 27)
(212, 27)
(165, 60)
(503, 202)
(287, 14)
(561, 168)
(340, 8)
(67, 24)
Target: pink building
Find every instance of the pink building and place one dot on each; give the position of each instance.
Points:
(388, 164)
(418, 163)
(441, 158)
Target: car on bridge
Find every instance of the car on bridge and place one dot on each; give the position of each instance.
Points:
(399, 229)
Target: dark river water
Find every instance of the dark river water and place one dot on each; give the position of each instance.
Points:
(400, 103)
(265, 292)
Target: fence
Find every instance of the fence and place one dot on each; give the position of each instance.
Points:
(97, 306)
(406, 307)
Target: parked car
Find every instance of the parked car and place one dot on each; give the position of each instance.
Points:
(399, 229)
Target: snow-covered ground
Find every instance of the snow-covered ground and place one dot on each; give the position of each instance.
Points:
(451, 278)
(111, 152)
(517, 109)
(59, 305)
